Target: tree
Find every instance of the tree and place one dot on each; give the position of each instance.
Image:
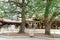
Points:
(47, 24)
(49, 11)
(23, 17)
(48, 21)
(21, 5)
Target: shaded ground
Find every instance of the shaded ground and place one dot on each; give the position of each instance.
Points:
(55, 33)
(14, 34)
(26, 38)
(35, 35)
(48, 36)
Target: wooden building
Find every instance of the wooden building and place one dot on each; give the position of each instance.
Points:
(30, 23)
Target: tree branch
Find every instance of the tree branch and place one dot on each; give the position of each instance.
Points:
(55, 14)
(16, 3)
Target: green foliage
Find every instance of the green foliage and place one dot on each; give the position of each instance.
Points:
(39, 6)
(3, 15)
(8, 10)
(36, 7)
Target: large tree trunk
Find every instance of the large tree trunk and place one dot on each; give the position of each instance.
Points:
(47, 26)
(47, 29)
(22, 28)
(46, 15)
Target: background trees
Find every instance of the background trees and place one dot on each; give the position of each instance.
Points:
(8, 9)
(47, 10)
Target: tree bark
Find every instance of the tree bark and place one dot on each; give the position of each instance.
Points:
(46, 15)
(22, 28)
(47, 29)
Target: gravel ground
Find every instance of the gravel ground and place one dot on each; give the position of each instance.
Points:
(25, 38)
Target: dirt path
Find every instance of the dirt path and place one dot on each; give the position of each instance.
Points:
(36, 34)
